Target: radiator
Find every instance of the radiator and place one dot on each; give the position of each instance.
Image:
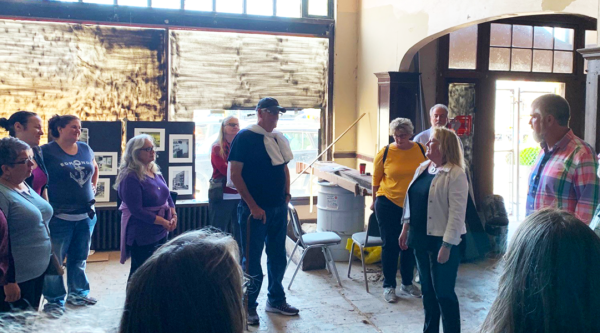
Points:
(107, 233)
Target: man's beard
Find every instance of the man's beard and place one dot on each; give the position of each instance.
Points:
(538, 137)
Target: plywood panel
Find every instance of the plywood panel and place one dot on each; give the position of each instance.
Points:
(222, 70)
(98, 73)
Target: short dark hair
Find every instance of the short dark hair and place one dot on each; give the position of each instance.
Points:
(554, 105)
(58, 121)
(550, 279)
(10, 148)
(20, 117)
(191, 284)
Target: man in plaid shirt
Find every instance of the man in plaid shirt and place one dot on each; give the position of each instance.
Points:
(564, 174)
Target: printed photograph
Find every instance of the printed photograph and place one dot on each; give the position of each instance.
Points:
(158, 134)
(179, 148)
(107, 163)
(180, 180)
(103, 190)
(85, 136)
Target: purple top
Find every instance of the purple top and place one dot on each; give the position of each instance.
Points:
(138, 196)
(39, 180)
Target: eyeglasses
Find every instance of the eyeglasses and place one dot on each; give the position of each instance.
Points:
(233, 125)
(149, 149)
(29, 159)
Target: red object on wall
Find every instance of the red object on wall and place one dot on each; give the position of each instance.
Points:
(465, 125)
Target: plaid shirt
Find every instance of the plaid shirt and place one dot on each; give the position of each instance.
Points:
(565, 177)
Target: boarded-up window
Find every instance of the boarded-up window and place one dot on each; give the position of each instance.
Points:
(94, 72)
(217, 70)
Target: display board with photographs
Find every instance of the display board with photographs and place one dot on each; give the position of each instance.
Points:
(175, 153)
(104, 137)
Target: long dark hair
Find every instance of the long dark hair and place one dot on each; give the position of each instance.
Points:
(20, 117)
(191, 284)
(57, 122)
(551, 278)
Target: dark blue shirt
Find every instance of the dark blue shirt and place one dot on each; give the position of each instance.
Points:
(419, 198)
(69, 178)
(265, 182)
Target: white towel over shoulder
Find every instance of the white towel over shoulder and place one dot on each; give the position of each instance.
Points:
(276, 144)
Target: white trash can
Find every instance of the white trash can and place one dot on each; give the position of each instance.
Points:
(342, 212)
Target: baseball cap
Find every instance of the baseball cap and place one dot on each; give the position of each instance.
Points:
(270, 104)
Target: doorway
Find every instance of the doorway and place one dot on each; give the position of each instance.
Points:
(515, 150)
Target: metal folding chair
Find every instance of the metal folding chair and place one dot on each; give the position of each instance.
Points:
(310, 240)
(363, 239)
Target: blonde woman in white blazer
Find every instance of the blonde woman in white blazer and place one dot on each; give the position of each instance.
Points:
(433, 222)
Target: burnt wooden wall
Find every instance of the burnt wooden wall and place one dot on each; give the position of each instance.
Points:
(223, 70)
(95, 72)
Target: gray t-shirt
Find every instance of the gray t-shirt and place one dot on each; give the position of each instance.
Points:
(27, 215)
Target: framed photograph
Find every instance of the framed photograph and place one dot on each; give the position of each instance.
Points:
(158, 134)
(180, 148)
(107, 163)
(180, 180)
(103, 190)
(85, 136)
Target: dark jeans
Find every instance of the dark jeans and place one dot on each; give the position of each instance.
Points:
(437, 286)
(389, 216)
(141, 253)
(223, 216)
(272, 235)
(31, 292)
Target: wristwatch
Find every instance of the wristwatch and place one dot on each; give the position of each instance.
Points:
(446, 245)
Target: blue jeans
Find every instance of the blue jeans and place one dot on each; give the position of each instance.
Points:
(72, 240)
(272, 235)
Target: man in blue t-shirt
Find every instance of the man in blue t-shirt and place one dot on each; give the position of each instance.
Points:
(258, 161)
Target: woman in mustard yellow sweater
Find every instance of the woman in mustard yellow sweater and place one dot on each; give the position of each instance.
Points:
(393, 169)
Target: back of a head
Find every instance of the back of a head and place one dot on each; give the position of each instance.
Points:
(191, 284)
(550, 277)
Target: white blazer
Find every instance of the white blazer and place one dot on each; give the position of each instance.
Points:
(447, 204)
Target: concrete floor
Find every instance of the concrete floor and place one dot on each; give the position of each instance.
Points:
(324, 306)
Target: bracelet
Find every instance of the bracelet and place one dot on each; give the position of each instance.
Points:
(446, 245)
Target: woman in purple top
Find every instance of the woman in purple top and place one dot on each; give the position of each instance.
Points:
(148, 210)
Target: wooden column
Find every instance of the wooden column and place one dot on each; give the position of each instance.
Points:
(591, 135)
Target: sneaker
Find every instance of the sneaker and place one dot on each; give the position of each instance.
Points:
(252, 317)
(81, 300)
(53, 311)
(283, 308)
(411, 290)
(389, 295)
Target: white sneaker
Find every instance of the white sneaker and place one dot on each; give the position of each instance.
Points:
(411, 290)
(389, 295)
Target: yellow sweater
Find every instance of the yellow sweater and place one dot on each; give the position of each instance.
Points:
(394, 177)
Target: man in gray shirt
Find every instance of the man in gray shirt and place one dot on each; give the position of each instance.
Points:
(438, 116)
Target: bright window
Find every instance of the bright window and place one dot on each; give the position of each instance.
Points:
(202, 5)
(463, 48)
(102, 2)
(259, 7)
(317, 7)
(169, 4)
(230, 6)
(135, 3)
(289, 8)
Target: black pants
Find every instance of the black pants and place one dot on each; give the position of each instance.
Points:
(31, 292)
(437, 286)
(223, 215)
(389, 216)
(141, 253)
